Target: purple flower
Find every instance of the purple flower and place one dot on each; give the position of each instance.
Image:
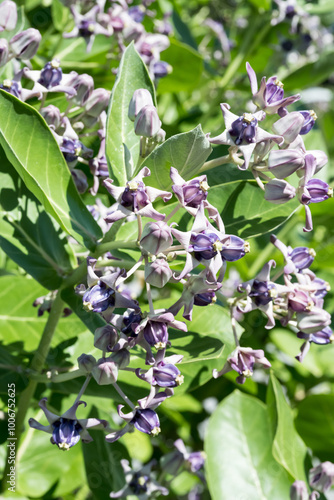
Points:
(24, 44)
(242, 360)
(309, 121)
(156, 334)
(298, 491)
(246, 134)
(322, 337)
(87, 26)
(66, 429)
(316, 191)
(147, 421)
(262, 292)
(204, 299)
(270, 96)
(322, 477)
(194, 460)
(278, 191)
(140, 482)
(136, 198)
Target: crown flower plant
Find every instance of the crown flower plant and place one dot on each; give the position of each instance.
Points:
(166, 250)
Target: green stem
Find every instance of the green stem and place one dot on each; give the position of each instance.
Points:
(37, 365)
(56, 379)
(216, 162)
(124, 396)
(83, 388)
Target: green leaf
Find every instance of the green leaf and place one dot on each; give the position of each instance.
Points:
(60, 15)
(186, 152)
(315, 424)
(187, 68)
(288, 447)
(310, 74)
(261, 4)
(238, 445)
(31, 148)
(242, 206)
(102, 462)
(27, 234)
(122, 144)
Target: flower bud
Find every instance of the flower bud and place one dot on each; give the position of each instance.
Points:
(322, 477)
(233, 248)
(156, 237)
(83, 85)
(313, 321)
(140, 98)
(289, 126)
(86, 362)
(161, 69)
(157, 273)
(97, 102)
(278, 191)
(309, 121)
(299, 301)
(105, 372)
(284, 162)
(121, 357)
(160, 136)
(52, 116)
(3, 51)
(146, 421)
(8, 15)
(156, 334)
(147, 122)
(25, 44)
(320, 157)
(80, 180)
(105, 337)
(298, 491)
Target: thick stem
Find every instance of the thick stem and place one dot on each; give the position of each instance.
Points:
(216, 162)
(56, 379)
(83, 388)
(37, 365)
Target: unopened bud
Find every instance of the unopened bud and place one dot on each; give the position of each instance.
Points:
(157, 273)
(313, 321)
(84, 85)
(278, 191)
(8, 15)
(298, 491)
(161, 69)
(105, 372)
(97, 102)
(320, 157)
(121, 357)
(3, 51)
(140, 98)
(25, 44)
(309, 121)
(147, 122)
(289, 126)
(52, 116)
(156, 237)
(284, 162)
(105, 338)
(160, 136)
(86, 362)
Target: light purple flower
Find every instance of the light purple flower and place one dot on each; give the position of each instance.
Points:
(242, 360)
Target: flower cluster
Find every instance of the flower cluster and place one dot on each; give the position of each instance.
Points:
(321, 478)
(243, 134)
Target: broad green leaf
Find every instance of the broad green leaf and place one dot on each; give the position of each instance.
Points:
(60, 15)
(186, 68)
(238, 444)
(288, 447)
(102, 461)
(27, 234)
(122, 144)
(310, 74)
(242, 206)
(33, 151)
(261, 4)
(186, 152)
(316, 426)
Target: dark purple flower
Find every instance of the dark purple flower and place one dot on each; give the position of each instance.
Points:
(299, 301)
(134, 319)
(261, 292)
(98, 298)
(138, 483)
(194, 192)
(167, 375)
(156, 333)
(51, 74)
(71, 149)
(274, 90)
(146, 421)
(233, 248)
(244, 129)
(309, 121)
(205, 245)
(12, 87)
(66, 433)
(204, 299)
(321, 337)
(134, 196)
(316, 191)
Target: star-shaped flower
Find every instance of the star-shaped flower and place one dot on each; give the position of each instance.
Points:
(66, 429)
(244, 133)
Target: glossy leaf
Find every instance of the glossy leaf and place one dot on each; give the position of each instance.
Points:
(33, 151)
(27, 234)
(288, 447)
(186, 152)
(238, 445)
(314, 423)
(186, 68)
(122, 144)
